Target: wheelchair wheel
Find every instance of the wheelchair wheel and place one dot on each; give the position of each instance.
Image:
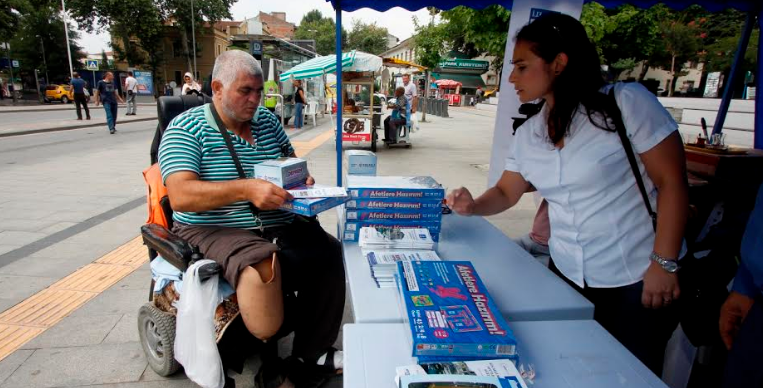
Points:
(157, 336)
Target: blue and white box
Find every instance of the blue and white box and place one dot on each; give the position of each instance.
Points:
(284, 172)
(450, 313)
(395, 204)
(360, 162)
(392, 215)
(351, 230)
(310, 207)
(417, 187)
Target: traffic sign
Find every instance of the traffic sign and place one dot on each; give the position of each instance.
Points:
(91, 64)
(15, 63)
(256, 48)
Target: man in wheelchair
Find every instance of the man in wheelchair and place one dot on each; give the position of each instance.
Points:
(286, 270)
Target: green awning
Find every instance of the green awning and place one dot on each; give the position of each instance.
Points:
(468, 81)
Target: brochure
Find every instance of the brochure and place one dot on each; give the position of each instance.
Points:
(489, 368)
(395, 238)
(383, 263)
(458, 381)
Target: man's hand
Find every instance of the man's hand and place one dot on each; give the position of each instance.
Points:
(97, 103)
(265, 195)
(461, 201)
(733, 313)
(660, 287)
(310, 180)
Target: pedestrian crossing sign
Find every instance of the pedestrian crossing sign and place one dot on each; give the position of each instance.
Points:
(91, 64)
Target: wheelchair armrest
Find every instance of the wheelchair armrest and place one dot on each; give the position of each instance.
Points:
(171, 247)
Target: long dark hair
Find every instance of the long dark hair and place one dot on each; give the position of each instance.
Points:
(580, 81)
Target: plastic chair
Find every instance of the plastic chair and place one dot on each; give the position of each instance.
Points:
(311, 109)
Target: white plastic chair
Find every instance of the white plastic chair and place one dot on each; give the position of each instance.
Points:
(311, 109)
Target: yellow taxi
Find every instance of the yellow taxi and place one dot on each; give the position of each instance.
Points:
(63, 93)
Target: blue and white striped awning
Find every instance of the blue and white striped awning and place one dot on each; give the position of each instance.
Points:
(316, 67)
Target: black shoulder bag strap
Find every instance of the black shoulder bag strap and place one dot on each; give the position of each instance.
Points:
(620, 126)
(241, 174)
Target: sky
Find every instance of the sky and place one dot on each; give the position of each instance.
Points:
(397, 20)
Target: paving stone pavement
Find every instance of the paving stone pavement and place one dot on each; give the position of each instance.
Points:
(97, 345)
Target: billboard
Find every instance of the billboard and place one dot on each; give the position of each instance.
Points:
(145, 83)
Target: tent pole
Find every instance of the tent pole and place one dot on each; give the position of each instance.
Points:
(338, 7)
(759, 88)
(728, 91)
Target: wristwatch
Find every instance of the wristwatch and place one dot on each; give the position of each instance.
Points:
(670, 265)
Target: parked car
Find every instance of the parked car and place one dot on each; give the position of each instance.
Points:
(63, 93)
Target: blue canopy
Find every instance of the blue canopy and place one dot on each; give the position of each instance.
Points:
(414, 5)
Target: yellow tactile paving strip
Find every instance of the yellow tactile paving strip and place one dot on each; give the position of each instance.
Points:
(28, 319)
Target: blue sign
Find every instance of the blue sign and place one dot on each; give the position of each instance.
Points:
(538, 12)
(256, 48)
(91, 64)
(145, 83)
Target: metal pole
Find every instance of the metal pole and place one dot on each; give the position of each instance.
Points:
(339, 90)
(10, 66)
(193, 38)
(733, 76)
(759, 89)
(68, 47)
(44, 61)
(37, 82)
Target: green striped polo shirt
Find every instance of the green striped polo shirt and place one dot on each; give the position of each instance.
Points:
(192, 142)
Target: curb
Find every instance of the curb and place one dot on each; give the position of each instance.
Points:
(78, 126)
(51, 109)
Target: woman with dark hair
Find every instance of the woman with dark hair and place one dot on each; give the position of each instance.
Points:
(603, 241)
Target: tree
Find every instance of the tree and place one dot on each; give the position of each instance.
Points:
(322, 30)
(312, 17)
(680, 44)
(477, 32)
(10, 13)
(597, 24)
(367, 37)
(430, 48)
(39, 42)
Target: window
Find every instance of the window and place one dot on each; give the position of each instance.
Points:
(218, 50)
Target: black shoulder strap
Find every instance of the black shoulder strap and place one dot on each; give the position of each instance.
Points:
(241, 174)
(620, 126)
(529, 110)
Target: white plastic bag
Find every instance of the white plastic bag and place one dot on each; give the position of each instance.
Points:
(195, 346)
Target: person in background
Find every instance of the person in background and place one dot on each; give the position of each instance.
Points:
(603, 241)
(80, 99)
(411, 95)
(2, 89)
(299, 104)
(396, 119)
(131, 87)
(741, 321)
(106, 94)
(536, 242)
(189, 85)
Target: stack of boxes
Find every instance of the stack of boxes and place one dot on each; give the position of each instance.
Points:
(392, 202)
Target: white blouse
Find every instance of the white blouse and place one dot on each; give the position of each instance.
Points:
(601, 233)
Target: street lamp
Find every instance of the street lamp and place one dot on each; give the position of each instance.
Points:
(68, 47)
(193, 38)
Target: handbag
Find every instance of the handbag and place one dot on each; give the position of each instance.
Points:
(702, 281)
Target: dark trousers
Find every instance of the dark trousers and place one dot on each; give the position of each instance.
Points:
(644, 332)
(312, 275)
(744, 366)
(390, 128)
(80, 101)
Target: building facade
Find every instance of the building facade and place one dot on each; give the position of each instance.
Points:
(403, 51)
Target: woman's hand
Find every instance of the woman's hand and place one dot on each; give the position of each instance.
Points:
(733, 313)
(660, 287)
(461, 201)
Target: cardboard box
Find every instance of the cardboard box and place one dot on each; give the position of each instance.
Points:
(310, 207)
(284, 172)
(393, 215)
(418, 187)
(396, 204)
(359, 162)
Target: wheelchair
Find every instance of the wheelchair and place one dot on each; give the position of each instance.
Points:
(156, 318)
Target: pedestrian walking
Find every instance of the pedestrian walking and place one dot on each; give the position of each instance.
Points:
(299, 104)
(107, 95)
(131, 86)
(2, 90)
(80, 99)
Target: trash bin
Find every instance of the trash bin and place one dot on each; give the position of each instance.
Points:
(445, 108)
